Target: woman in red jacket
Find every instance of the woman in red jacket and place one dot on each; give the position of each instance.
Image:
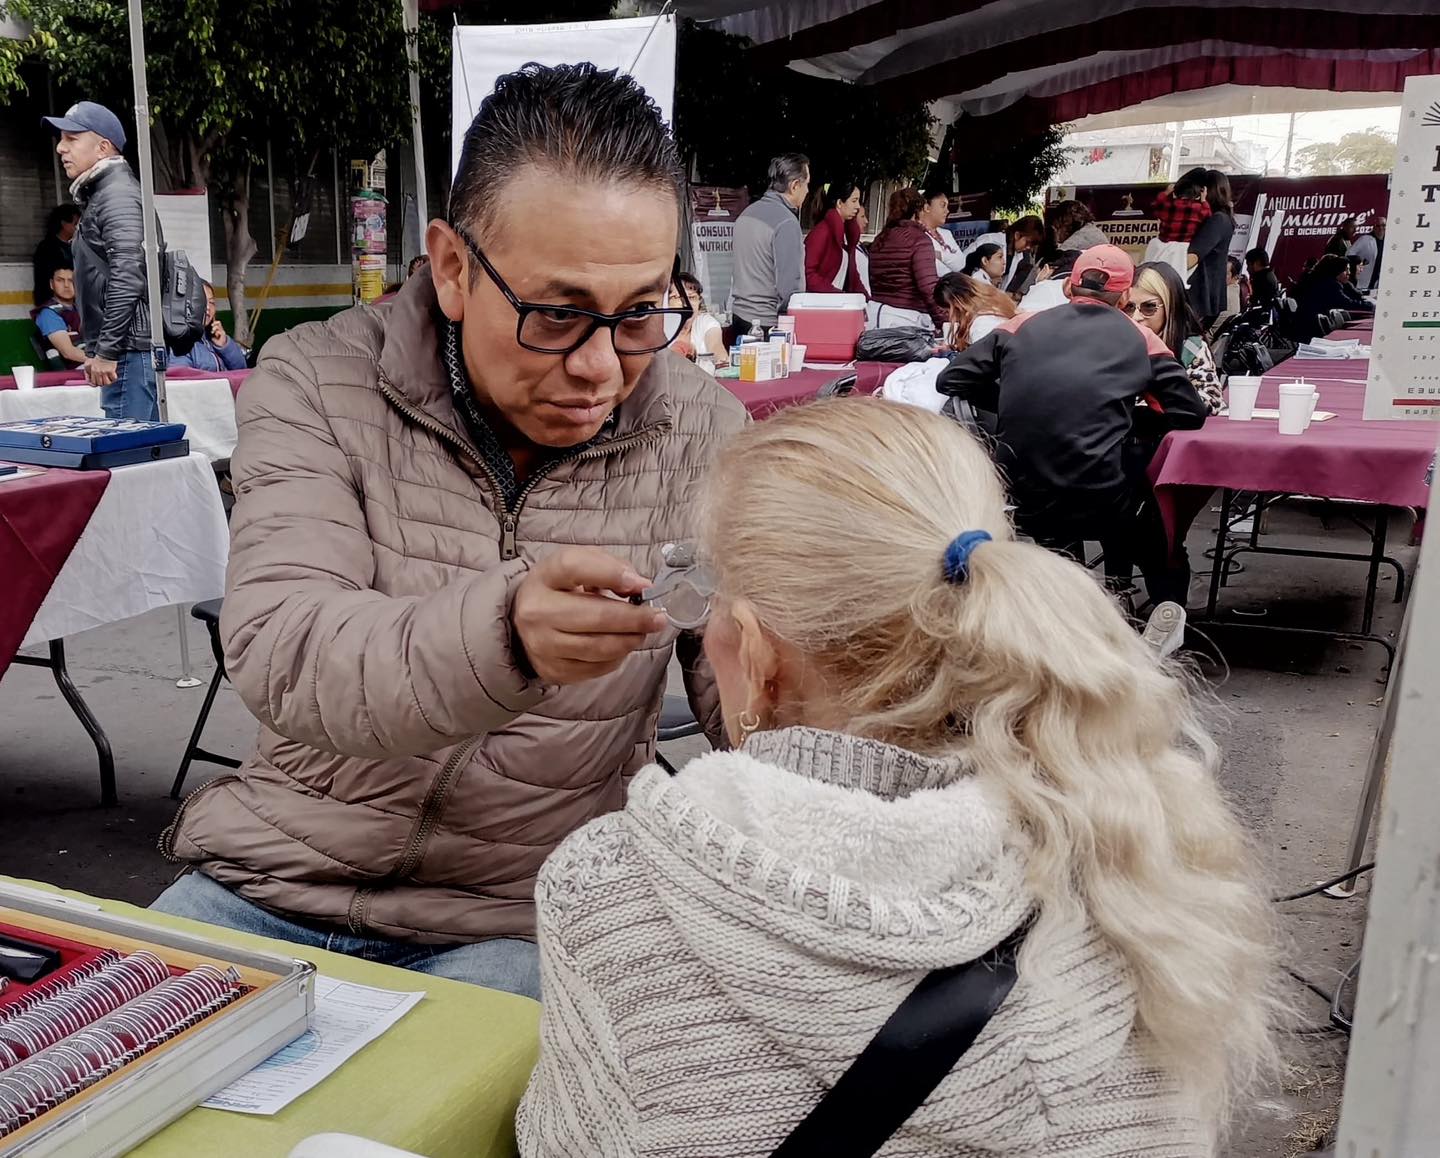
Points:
(902, 268)
(830, 245)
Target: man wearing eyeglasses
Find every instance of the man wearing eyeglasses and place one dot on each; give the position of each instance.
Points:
(449, 515)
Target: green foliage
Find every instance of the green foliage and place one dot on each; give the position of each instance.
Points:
(985, 156)
(224, 80)
(732, 115)
(1370, 151)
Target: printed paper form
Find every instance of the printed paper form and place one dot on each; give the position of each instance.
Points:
(347, 1018)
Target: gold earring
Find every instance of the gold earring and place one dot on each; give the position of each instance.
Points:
(749, 724)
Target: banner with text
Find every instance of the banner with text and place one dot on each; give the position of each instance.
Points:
(1405, 351)
(643, 46)
(1298, 215)
(713, 212)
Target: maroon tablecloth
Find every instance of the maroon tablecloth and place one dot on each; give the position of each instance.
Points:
(764, 398)
(1342, 458)
(75, 378)
(41, 518)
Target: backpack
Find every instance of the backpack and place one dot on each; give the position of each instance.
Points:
(182, 301)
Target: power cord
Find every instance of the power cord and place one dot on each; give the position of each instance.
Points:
(1330, 884)
(1339, 1020)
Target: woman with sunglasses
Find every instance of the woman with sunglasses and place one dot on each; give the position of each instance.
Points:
(1158, 301)
(950, 747)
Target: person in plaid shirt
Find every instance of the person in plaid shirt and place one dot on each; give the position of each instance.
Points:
(1182, 208)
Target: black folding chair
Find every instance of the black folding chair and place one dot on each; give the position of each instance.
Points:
(207, 613)
(677, 721)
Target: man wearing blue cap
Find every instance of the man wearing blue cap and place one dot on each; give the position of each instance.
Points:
(109, 250)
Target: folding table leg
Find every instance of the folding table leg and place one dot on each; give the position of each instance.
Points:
(1378, 535)
(1218, 570)
(1375, 772)
(108, 795)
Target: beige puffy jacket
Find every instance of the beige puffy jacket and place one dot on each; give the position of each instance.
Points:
(410, 778)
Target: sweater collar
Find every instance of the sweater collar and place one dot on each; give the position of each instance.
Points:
(904, 859)
(853, 762)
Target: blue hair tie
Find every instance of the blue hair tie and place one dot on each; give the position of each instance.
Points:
(957, 554)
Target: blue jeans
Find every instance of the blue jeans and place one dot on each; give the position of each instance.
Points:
(505, 963)
(132, 395)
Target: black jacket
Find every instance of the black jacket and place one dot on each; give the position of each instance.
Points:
(1264, 288)
(1211, 245)
(1067, 386)
(109, 248)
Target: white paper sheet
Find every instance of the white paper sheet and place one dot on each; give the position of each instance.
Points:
(347, 1018)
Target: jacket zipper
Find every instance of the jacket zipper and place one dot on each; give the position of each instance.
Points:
(510, 520)
(167, 837)
(359, 913)
(430, 810)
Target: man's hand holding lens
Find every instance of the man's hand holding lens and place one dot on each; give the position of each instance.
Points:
(568, 622)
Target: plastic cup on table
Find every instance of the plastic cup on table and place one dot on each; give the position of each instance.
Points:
(797, 359)
(1296, 404)
(1243, 390)
(24, 377)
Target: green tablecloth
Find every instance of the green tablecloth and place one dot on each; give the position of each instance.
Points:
(444, 1082)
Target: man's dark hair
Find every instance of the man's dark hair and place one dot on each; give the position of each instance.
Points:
(1258, 255)
(575, 120)
(786, 169)
(62, 214)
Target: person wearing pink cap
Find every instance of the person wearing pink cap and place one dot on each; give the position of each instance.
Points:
(1071, 389)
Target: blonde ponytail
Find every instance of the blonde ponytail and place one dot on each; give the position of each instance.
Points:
(833, 521)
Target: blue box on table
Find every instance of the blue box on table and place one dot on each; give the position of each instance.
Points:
(84, 443)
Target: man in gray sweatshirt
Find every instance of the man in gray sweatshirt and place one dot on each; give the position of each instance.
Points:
(769, 247)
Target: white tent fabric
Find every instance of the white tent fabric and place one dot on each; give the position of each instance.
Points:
(1123, 48)
(1227, 100)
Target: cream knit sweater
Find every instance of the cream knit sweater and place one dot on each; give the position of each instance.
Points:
(716, 955)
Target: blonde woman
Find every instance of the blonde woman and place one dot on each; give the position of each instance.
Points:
(944, 738)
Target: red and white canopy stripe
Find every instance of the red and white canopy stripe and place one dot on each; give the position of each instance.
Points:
(1058, 61)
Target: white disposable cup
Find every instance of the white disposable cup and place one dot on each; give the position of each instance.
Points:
(1243, 390)
(1296, 400)
(797, 359)
(1310, 414)
(24, 377)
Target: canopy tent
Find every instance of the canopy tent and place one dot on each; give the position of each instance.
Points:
(1043, 63)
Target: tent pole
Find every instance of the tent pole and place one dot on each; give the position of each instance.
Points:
(412, 40)
(152, 265)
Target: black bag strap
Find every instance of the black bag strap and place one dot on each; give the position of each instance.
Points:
(911, 1055)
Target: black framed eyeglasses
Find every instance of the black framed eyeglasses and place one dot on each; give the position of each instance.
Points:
(556, 329)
